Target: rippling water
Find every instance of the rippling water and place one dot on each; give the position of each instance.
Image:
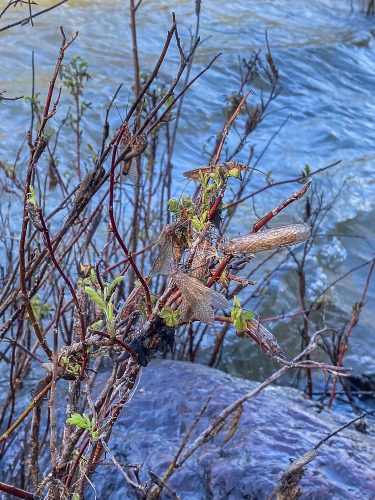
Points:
(325, 53)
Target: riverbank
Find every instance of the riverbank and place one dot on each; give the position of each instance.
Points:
(275, 427)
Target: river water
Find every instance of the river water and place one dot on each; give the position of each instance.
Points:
(325, 53)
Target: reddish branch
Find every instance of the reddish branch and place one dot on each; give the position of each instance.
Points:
(281, 183)
(295, 196)
(216, 204)
(357, 308)
(114, 225)
(227, 127)
(36, 263)
(36, 149)
(113, 413)
(16, 492)
(71, 289)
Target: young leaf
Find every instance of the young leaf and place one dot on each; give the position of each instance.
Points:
(170, 316)
(95, 297)
(239, 316)
(247, 315)
(114, 283)
(197, 223)
(234, 172)
(79, 421)
(236, 301)
(110, 310)
(86, 418)
(174, 207)
(31, 197)
(96, 325)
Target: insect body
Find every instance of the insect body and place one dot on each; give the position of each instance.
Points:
(264, 338)
(137, 146)
(269, 239)
(221, 167)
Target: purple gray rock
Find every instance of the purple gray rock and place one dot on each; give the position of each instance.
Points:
(276, 426)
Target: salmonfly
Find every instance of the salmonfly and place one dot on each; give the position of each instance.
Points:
(230, 166)
(269, 239)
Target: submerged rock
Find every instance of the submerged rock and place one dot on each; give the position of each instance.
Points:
(276, 426)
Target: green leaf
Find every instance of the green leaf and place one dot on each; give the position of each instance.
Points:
(174, 206)
(197, 223)
(40, 309)
(115, 282)
(95, 297)
(269, 177)
(31, 197)
(189, 204)
(97, 325)
(81, 421)
(305, 174)
(110, 311)
(240, 316)
(171, 321)
(240, 324)
(86, 418)
(210, 188)
(204, 216)
(94, 435)
(170, 100)
(234, 172)
(204, 179)
(84, 281)
(92, 152)
(170, 316)
(236, 301)
(248, 315)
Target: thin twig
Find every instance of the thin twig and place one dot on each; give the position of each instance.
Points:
(357, 308)
(30, 18)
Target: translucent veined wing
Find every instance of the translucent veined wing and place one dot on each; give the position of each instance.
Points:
(199, 265)
(137, 145)
(132, 173)
(198, 301)
(166, 260)
(269, 239)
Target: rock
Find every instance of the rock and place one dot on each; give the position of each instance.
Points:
(276, 426)
(363, 382)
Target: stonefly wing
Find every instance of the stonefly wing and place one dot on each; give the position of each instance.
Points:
(198, 301)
